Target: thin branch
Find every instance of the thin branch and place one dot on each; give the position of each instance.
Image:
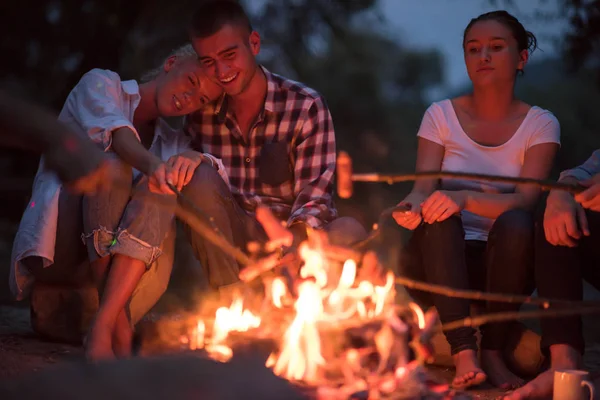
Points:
(518, 315)
(395, 178)
(207, 230)
(207, 233)
(486, 296)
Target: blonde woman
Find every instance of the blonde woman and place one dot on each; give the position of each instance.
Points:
(123, 228)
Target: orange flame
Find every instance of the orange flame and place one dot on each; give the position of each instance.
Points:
(326, 296)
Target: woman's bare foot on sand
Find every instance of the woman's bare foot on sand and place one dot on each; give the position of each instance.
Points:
(562, 357)
(122, 336)
(468, 371)
(498, 373)
(98, 344)
(539, 388)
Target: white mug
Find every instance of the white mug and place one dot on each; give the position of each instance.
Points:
(569, 384)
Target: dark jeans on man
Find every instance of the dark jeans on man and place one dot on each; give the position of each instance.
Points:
(559, 271)
(438, 253)
(210, 193)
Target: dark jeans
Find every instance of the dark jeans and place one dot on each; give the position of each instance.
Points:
(210, 193)
(559, 271)
(439, 254)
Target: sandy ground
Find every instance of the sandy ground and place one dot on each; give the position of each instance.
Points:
(22, 352)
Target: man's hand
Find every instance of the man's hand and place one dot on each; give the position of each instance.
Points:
(158, 179)
(590, 198)
(442, 204)
(183, 166)
(564, 220)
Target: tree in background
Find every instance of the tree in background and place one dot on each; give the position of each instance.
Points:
(373, 84)
(581, 44)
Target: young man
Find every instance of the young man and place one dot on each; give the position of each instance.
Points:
(566, 252)
(274, 136)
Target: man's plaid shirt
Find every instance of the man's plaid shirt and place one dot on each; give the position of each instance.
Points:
(296, 119)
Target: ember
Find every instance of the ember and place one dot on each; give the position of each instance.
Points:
(335, 332)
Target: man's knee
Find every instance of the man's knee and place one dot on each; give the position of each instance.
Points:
(345, 231)
(206, 186)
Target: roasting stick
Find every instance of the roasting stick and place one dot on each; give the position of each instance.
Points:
(487, 296)
(346, 177)
(519, 315)
(275, 229)
(209, 232)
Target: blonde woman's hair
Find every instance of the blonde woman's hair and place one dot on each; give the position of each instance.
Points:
(183, 53)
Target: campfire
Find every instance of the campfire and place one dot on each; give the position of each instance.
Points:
(334, 329)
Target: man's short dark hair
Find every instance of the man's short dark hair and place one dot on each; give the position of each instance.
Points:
(211, 16)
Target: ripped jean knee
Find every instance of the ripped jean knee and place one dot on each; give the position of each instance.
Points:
(98, 242)
(102, 242)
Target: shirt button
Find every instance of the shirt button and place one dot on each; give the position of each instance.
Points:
(247, 159)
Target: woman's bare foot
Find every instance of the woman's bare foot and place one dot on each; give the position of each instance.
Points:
(562, 357)
(498, 373)
(122, 336)
(468, 371)
(98, 343)
(539, 388)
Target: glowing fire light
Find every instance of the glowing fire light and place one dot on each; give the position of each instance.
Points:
(324, 297)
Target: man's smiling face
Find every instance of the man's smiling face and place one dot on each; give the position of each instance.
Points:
(228, 57)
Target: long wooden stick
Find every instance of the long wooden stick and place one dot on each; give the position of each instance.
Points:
(487, 296)
(207, 230)
(215, 237)
(209, 234)
(519, 315)
(544, 184)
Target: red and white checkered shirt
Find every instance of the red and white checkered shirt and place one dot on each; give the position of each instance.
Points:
(294, 131)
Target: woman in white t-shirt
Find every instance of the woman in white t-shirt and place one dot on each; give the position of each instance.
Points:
(480, 234)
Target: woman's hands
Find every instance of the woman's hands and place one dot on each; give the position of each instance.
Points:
(437, 207)
(177, 171)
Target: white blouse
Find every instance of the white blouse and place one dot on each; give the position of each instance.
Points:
(98, 105)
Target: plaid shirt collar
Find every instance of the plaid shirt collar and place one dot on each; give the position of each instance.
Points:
(270, 105)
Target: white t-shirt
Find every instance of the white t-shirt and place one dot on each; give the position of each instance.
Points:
(462, 154)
